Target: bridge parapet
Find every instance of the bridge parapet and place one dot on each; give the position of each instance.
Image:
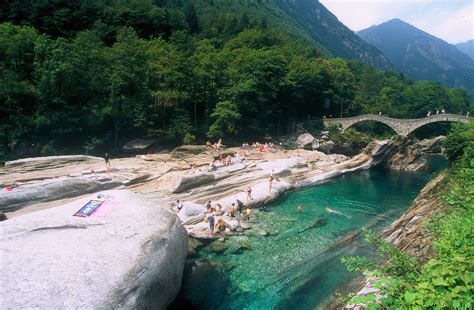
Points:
(402, 127)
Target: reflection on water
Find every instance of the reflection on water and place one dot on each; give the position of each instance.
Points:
(294, 262)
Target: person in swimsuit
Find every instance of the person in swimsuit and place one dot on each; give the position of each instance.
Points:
(249, 193)
(270, 184)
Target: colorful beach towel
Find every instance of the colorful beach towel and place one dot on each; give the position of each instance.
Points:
(88, 208)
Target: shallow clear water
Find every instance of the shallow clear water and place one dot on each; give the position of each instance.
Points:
(297, 264)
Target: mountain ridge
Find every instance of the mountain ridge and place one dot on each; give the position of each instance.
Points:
(467, 48)
(325, 28)
(421, 55)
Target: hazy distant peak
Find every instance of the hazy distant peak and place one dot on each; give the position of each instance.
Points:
(421, 55)
(467, 48)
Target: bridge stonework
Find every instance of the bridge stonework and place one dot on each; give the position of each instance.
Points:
(402, 127)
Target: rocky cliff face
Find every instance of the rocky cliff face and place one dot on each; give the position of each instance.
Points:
(409, 232)
(410, 156)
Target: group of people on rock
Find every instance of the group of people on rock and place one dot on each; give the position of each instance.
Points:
(216, 145)
(259, 146)
(216, 210)
(296, 153)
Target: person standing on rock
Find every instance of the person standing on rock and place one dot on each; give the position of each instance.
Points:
(107, 161)
(247, 213)
(212, 221)
(249, 193)
(232, 210)
(270, 184)
(179, 205)
(240, 206)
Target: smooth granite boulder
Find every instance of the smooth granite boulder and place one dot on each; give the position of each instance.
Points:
(190, 209)
(185, 182)
(327, 147)
(304, 140)
(129, 254)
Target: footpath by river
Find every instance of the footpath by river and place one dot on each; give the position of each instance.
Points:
(294, 260)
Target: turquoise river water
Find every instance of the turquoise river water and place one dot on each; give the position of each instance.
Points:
(295, 257)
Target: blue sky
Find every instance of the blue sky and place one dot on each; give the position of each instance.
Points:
(450, 20)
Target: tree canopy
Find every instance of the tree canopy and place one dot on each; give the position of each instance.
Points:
(87, 76)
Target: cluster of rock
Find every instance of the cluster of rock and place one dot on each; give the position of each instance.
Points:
(309, 142)
(410, 156)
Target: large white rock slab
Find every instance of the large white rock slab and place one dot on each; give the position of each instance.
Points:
(188, 181)
(54, 189)
(128, 254)
(51, 161)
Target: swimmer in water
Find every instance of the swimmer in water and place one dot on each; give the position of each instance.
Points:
(299, 209)
(328, 210)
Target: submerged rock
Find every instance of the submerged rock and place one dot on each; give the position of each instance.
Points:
(238, 244)
(219, 247)
(254, 231)
(129, 254)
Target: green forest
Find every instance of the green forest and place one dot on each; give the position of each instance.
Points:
(87, 76)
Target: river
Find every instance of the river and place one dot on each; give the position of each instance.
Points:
(294, 260)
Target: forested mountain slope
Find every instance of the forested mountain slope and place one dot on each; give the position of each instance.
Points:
(327, 30)
(89, 76)
(420, 55)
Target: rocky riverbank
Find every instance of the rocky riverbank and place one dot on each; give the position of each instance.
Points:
(409, 232)
(43, 193)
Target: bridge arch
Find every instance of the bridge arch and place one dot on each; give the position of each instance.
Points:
(402, 127)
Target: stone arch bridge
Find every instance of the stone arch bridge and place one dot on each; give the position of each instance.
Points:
(402, 127)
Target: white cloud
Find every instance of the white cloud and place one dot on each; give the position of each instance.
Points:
(451, 20)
